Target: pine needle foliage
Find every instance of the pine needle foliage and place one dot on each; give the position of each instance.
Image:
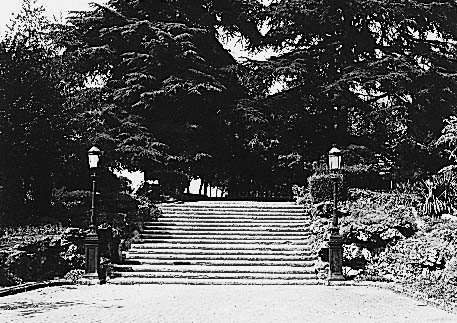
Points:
(381, 73)
(166, 75)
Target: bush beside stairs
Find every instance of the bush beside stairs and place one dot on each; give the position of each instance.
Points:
(222, 242)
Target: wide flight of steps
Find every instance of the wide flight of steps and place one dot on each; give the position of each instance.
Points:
(223, 242)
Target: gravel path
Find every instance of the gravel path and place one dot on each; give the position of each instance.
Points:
(181, 303)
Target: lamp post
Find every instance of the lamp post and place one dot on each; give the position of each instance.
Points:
(91, 241)
(335, 243)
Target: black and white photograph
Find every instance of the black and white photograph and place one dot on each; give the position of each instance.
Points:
(228, 161)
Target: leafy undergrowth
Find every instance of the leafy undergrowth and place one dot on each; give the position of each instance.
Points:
(386, 239)
(36, 253)
(368, 223)
(426, 262)
(11, 236)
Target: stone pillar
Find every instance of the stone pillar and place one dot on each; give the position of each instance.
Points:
(91, 252)
(335, 256)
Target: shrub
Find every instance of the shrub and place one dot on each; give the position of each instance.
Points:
(425, 263)
(369, 222)
(439, 193)
(28, 234)
(358, 155)
(299, 191)
(74, 275)
(8, 279)
(72, 207)
(44, 259)
(301, 195)
(321, 187)
(118, 215)
(365, 177)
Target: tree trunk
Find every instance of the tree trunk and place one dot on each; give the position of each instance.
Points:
(200, 188)
(42, 194)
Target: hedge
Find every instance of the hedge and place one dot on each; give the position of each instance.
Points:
(364, 177)
(321, 187)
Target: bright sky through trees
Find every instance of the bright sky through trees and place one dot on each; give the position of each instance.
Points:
(60, 8)
(53, 7)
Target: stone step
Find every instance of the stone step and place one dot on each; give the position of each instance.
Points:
(233, 240)
(194, 251)
(223, 235)
(221, 262)
(223, 246)
(223, 226)
(222, 242)
(278, 269)
(179, 257)
(231, 224)
(218, 275)
(227, 235)
(215, 234)
(213, 221)
(209, 215)
(287, 245)
(267, 206)
(214, 281)
(189, 230)
(231, 207)
(234, 213)
(227, 225)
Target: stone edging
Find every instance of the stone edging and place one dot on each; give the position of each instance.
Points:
(6, 291)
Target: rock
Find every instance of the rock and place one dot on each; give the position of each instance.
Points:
(353, 257)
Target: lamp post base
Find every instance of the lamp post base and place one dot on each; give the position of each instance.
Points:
(91, 255)
(335, 255)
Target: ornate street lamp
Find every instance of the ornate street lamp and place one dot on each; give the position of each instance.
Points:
(335, 243)
(91, 241)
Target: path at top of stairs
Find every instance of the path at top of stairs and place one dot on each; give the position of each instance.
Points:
(222, 242)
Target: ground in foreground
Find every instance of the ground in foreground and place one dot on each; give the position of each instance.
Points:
(182, 303)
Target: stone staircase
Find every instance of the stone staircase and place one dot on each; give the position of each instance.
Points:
(222, 242)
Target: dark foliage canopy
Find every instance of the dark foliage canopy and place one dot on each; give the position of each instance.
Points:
(151, 84)
(36, 124)
(167, 80)
(380, 73)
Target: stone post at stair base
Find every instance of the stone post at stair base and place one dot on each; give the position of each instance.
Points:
(91, 255)
(335, 257)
